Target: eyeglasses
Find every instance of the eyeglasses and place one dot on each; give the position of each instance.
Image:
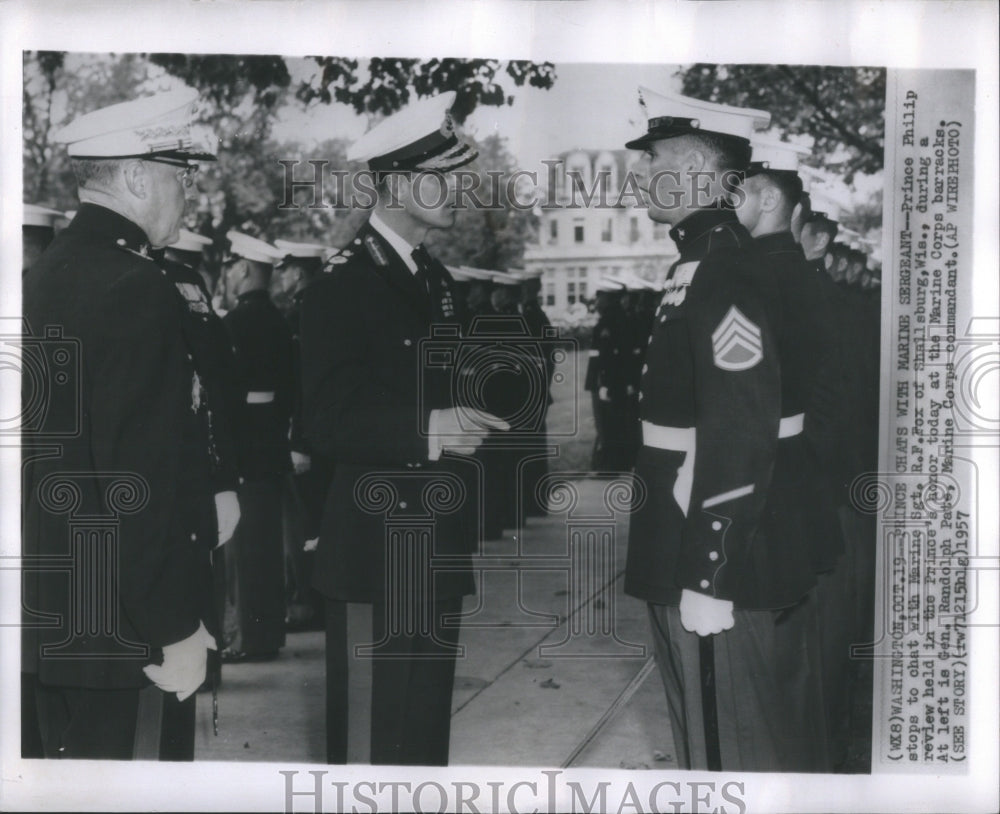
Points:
(185, 172)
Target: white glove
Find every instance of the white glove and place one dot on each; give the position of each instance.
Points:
(704, 614)
(311, 545)
(227, 513)
(602, 394)
(300, 462)
(447, 432)
(184, 664)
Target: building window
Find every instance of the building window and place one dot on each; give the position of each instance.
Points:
(582, 272)
(606, 231)
(571, 293)
(553, 230)
(633, 230)
(550, 293)
(583, 290)
(578, 231)
(659, 231)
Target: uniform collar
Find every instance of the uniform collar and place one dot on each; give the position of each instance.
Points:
(100, 221)
(400, 246)
(777, 241)
(693, 234)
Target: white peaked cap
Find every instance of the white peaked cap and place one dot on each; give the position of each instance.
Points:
(711, 116)
(190, 242)
(303, 250)
(160, 125)
(250, 248)
(606, 283)
(822, 201)
(35, 215)
(503, 278)
(471, 273)
(778, 155)
(421, 136)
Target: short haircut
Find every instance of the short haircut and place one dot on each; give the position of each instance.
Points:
(95, 172)
(728, 152)
(788, 184)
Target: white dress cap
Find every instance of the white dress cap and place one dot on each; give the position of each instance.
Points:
(190, 242)
(778, 155)
(710, 116)
(160, 125)
(822, 201)
(250, 248)
(421, 136)
(35, 215)
(303, 250)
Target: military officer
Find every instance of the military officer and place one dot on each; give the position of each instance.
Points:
(262, 344)
(711, 418)
(606, 379)
(120, 443)
(207, 341)
(305, 487)
(387, 413)
(539, 326)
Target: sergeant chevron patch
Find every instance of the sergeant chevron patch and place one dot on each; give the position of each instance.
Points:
(736, 343)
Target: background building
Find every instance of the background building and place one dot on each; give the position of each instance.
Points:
(595, 229)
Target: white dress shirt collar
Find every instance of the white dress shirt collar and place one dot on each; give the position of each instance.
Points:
(400, 246)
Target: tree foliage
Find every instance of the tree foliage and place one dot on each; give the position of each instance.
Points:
(241, 96)
(842, 108)
(386, 85)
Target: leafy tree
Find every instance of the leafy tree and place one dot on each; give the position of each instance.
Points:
(384, 85)
(842, 108)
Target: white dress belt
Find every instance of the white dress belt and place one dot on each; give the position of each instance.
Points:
(260, 397)
(682, 439)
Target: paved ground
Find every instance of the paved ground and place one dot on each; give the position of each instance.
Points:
(554, 672)
(558, 657)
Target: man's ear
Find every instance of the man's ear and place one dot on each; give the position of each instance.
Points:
(770, 198)
(695, 160)
(136, 177)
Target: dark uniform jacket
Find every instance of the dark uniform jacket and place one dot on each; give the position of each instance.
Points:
(262, 343)
(207, 340)
(800, 505)
(129, 457)
(712, 365)
(369, 385)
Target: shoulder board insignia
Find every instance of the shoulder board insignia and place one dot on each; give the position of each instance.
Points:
(336, 260)
(376, 251)
(143, 251)
(677, 285)
(736, 342)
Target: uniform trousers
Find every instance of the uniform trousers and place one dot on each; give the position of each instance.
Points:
(255, 571)
(115, 724)
(409, 681)
(767, 693)
(846, 597)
